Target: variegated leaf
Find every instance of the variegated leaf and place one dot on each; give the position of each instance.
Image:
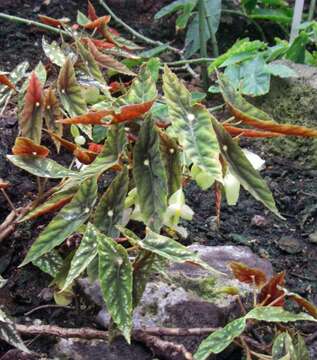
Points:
(53, 52)
(68, 220)
(50, 263)
(115, 276)
(193, 128)
(149, 175)
(111, 205)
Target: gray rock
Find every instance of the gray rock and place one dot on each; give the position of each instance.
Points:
(186, 295)
(290, 245)
(313, 238)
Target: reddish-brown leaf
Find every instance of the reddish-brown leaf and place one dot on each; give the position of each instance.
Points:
(127, 113)
(108, 61)
(25, 146)
(100, 44)
(271, 292)
(235, 131)
(116, 86)
(97, 23)
(307, 305)
(4, 184)
(96, 148)
(248, 275)
(53, 22)
(6, 81)
(92, 12)
(251, 115)
(31, 117)
(84, 156)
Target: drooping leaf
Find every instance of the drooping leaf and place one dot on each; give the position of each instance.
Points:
(97, 23)
(86, 252)
(41, 167)
(172, 162)
(53, 203)
(193, 127)
(236, 131)
(220, 339)
(50, 263)
(307, 305)
(69, 91)
(90, 63)
(111, 205)
(25, 146)
(149, 175)
(53, 22)
(241, 167)
(115, 276)
(31, 117)
(277, 314)
(53, 52)
(52, 112)
(9, 333)
(143, 88)
(68, 220)
(253, 116)
(248, 275)
(108, 61)
(283, 348)
(271, 291)
(108, 117)
(114, 37)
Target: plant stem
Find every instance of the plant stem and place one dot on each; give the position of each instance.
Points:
(203, 42)
(134, 32)
(20, 20)
(312, 7)
(190, 61)
(297, 18)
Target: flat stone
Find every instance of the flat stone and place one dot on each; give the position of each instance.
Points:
(188, 295)
(313, 238)
(290, 245)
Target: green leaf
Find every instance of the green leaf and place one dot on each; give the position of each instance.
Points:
(183, 18)
(241, 167)
(172, 161)
(171, 8)
(69, 91)
(277, 314)
(194, 130)
(9, 333)
(301, 349)
(143, 88)
(149, 175)
(220, 339)
(281, 70)
(53, 52)
(82, 19)
(110, 208)
(41, 167)
(241, 46)
(158, 50)
(84, 255)
(280, 16)
(99, 133)
(254, 77)
(50, 263)
(68, 220)
(296, 52)
(154, 65)
(283, 348)
(115, 276)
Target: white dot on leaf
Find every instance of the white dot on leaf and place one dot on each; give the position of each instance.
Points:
(146, 162)
(190, 117)
(110, 213)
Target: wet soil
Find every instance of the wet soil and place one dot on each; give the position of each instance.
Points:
(287, 244)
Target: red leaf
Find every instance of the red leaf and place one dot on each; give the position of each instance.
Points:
(84, 156)
(270, 292)
(25, 146)
(31, 117)
(235, 131)
(98, 23)
(100, 44)
(251, 115)
(6, 81)
(127, 113)
(52, 22)
(248, 275)
(92, 12)
(116, 86)
(96, 148)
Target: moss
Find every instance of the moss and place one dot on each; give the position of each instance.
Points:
(294, 103)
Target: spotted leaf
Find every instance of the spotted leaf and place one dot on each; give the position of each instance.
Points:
(25, 146)
(248, 275)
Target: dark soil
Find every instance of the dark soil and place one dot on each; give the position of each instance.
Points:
(285, 243)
